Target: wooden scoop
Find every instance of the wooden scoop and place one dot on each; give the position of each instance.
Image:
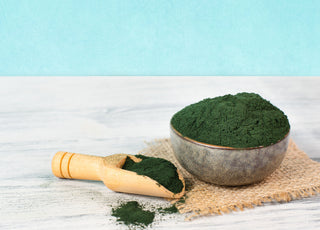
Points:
(109, 170)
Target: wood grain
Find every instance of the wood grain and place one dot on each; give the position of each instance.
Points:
(40, 116)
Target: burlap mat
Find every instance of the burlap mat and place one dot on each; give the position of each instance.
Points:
(298, 176)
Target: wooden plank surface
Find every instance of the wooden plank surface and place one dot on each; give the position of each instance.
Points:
(101, 116)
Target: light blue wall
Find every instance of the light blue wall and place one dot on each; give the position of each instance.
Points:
(155, 37)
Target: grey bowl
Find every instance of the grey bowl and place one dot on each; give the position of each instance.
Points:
(225, 165)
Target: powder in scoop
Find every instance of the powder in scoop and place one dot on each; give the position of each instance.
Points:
(158, 169)
(240, 121)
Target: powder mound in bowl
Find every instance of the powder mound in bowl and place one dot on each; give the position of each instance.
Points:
(240, 121)
(158, 169)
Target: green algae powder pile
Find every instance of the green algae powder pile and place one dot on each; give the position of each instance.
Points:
(240, 121)
(158, 169)
(132, 213)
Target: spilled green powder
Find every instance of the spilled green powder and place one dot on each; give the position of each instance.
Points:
(182, 200)
(132, 213)
(158, 169)
(240, 121)
(168, 210)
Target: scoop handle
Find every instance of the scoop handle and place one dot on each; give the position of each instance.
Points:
(76, 166)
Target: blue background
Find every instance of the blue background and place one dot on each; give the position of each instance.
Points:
(154, 37)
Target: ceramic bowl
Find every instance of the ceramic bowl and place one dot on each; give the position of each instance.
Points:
(225, 165)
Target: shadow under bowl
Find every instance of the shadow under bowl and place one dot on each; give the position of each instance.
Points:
(226, 165)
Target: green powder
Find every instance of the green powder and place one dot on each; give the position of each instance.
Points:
(158, 169)
(168, 210)
(132, 213)
(240, 121)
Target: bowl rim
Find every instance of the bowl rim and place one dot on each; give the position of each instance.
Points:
(220, 146)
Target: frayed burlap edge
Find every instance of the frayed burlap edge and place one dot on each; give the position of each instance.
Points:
(297, 177)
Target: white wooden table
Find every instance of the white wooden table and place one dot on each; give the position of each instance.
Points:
(40, 116)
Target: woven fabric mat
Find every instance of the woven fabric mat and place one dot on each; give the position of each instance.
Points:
(298, 176)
